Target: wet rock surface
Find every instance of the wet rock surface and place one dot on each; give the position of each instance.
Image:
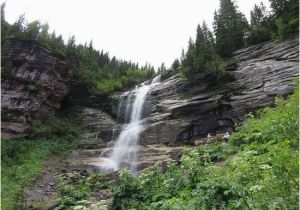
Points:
(183, 110)
(95, 146)
(94, 159)
(100, 126)
(38, 79)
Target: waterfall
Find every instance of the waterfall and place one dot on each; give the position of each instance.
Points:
(126, 145)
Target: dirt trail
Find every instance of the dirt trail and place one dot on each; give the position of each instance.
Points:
(43, 194)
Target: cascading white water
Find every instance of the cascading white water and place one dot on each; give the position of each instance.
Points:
(125, 148)
(128, 105)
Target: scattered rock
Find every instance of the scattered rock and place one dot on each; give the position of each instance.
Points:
(85, 173)
(52, 204)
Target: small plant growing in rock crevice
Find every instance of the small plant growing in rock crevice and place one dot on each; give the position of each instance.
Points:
(33, 88)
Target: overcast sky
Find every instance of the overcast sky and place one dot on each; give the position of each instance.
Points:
(142, 31)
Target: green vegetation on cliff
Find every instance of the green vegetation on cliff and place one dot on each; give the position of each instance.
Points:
(257, 169)
(95, 70)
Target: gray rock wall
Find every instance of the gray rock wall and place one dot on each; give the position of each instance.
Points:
(184, 110)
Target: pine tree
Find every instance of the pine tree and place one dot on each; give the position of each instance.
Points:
(286, 15)
(71, 43)
(279, 6)
(17, 29)
(3, 12)
(260, 24)
(44, 34)
(4, 25)
(188, 62)
(162, 68)
(33, 29)
(258, 14)
(204, 47)
(91, 45)
(176, 64)
(182, 56)
(201, 56)
(229, 28)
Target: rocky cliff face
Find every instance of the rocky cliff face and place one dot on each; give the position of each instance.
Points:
(183, 111)
(38, 79)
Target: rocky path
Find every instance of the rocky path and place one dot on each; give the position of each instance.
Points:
(44, 192)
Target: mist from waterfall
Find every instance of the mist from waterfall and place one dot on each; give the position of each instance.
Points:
(126, 146)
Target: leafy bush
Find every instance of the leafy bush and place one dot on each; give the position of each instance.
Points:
(75, 188)
(275, 125)
(49, 125)
(33, 87)
(108, 86)
(285, 28)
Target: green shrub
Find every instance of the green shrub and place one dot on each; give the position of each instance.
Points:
(75, 189)
(49, 125)
(33, 87)
(285, 28)
(275, 125)
(259, 34)
(6, 66)
(108, 86)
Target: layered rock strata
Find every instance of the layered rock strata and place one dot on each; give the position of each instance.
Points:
(184, 110)
(39, 78)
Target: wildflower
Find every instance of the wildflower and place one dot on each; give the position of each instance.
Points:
(226, 136)
(265, 167)
(255, 188)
